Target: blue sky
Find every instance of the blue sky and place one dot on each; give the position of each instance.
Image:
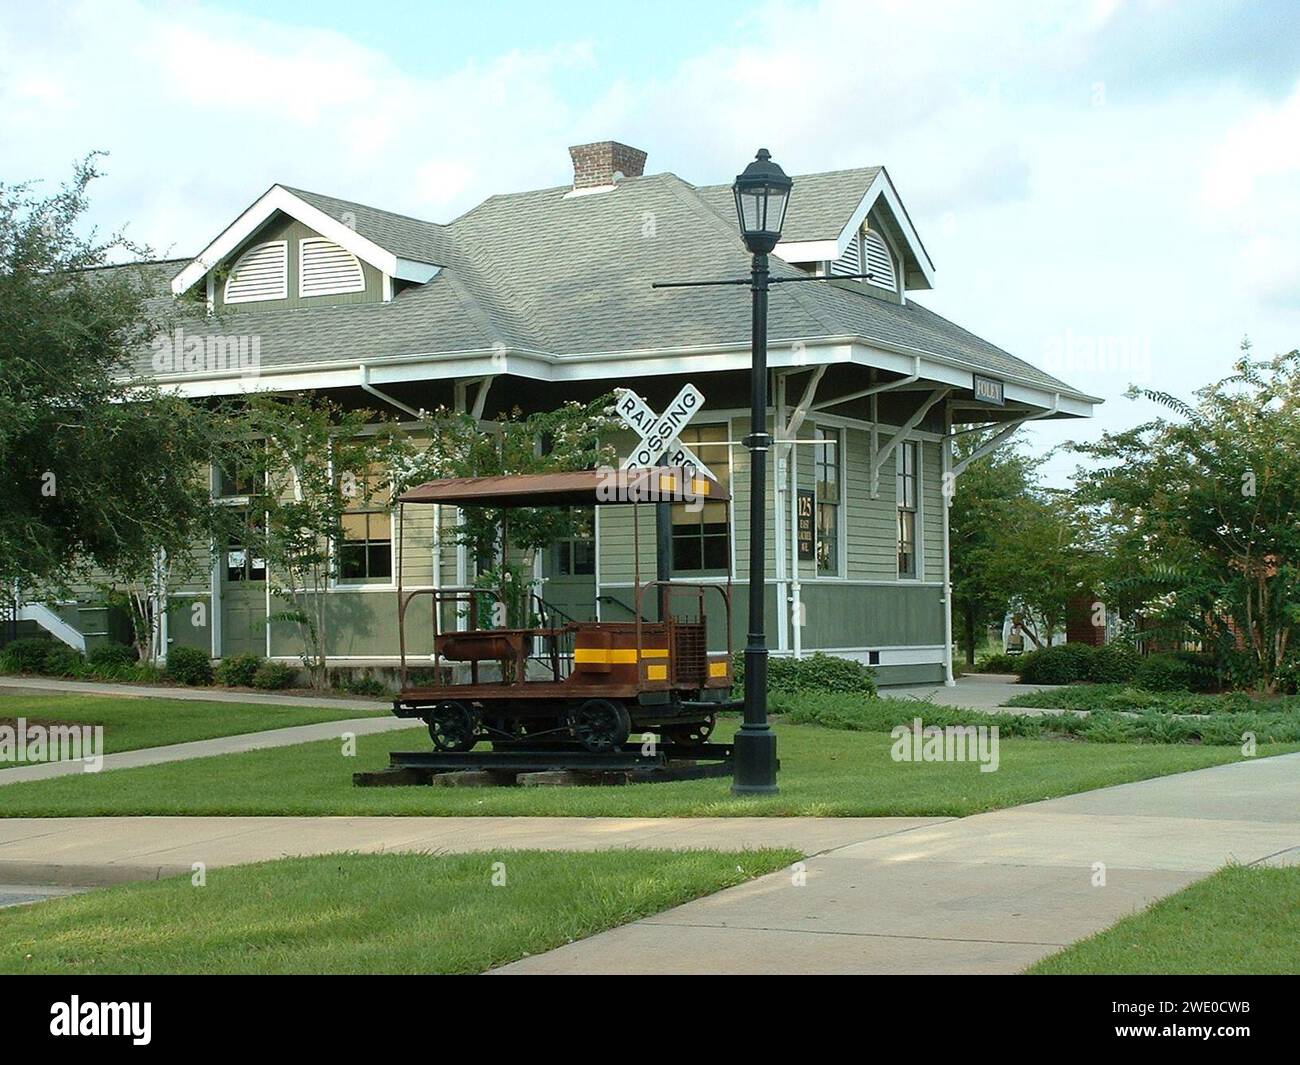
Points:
(1109, 189)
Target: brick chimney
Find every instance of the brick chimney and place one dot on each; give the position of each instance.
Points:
(605, 163)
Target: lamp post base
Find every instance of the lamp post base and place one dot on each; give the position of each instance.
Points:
(755, 761)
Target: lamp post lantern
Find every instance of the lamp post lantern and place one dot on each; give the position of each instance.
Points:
(762, 193)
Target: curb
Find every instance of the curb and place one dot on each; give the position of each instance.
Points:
(102, 875)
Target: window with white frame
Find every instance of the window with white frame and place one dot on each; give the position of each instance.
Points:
(241, 559)
(826, 466)
(365, 553)
(908, 487)
(701, 532)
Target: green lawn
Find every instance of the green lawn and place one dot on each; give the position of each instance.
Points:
(1103, 724)
(1126, 697)
(351, 913)
(1239, 921)
(824, 772)
(132, 723)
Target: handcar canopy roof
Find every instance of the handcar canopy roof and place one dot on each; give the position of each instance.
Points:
(582, 488)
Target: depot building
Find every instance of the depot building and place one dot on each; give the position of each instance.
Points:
(534, 298)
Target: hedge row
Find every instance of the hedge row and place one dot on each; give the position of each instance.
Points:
(185, 665)
(1114, 663)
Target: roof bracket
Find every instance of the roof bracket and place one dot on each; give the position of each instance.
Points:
(366, 386)
(862, 393)
(474, 410)
(878, 460)
(1002, 435)
(800, 412)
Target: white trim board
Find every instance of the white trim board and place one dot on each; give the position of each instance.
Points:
(597, 367)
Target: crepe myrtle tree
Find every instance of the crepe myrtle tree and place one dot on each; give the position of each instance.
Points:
(302, 464)
(574, 436)
(98, 467)
(982, 527)
(1015, 546)
(1201, 510)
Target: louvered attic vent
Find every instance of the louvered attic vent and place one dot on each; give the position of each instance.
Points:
(879, 261)
(851, 261)
(325, 269)
(262, 273)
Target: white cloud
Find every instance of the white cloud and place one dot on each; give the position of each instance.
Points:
(1113, 173)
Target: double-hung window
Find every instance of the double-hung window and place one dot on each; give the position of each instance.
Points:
(701, 536)
(907, 490)
(829, 496)
(365, 554)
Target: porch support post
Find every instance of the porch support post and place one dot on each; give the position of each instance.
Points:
(947, 486)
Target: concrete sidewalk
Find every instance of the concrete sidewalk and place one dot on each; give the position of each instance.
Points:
(975, 691)
(81, 851)
(986, 894)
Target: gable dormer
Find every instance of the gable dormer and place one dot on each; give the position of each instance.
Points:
(300, 249)
(851, 222)
(289, 264)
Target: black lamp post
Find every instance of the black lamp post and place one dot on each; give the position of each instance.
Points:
(762, 193)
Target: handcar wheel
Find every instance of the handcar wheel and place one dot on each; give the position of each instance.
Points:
(693, 733)
(452, 727)
(600, 725)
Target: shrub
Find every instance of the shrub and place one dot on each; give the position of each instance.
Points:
(63, 661)
(999, 663)
(111, 657)
(1114, 663)
(27, 654)
(365, 686)
(238, 671)
(1063, 663)
(143, 673)
(1204, 668)
(820, 673)
(189, 665)
(1288, 675)
(1164, 673)
(274, 675)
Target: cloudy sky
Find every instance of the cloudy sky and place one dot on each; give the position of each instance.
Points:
(1110, 189)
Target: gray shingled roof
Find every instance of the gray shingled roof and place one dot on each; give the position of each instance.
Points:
(570, 275)
(820, 206)
(409, 238)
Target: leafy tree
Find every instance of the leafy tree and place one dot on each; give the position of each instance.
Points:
(98, 469)
(567, 438)
(1014, 545)
(982, 528)
(306, 463)
(1200, 512)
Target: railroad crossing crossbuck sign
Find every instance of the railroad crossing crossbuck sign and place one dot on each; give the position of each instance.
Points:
(659, 432)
